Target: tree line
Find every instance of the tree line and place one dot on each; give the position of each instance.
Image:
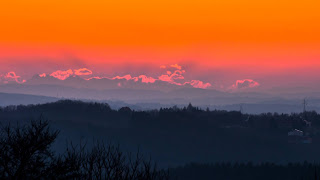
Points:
(188, 116)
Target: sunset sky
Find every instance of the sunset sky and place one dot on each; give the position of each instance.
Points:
(273, 42)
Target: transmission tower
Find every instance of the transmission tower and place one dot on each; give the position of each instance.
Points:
(241, 108)
(305, 103)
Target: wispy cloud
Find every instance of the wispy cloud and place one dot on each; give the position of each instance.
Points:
(245, 83)
(199, 84)
(43, 75)
(173, 75)
(127, 77)
(176, 66)
(82, 72)
(146, 79)
(176, 77)
(62, 75)
(11, 76)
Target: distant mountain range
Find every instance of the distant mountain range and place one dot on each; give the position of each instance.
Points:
(110, 89)
(141, 95)
(105, 83)
(7, 99)
(176, 96)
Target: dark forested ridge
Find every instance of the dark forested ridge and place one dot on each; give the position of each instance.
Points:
(176, 136)
(189, 116)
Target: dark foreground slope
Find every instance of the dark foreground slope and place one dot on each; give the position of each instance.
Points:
(176, 136)
(247, 171)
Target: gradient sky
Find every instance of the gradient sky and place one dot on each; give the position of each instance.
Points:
(275, 42)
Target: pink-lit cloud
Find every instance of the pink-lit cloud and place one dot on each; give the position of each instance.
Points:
(163, 67)
(169, 77)
(245, 83)
(176, 66)
(42, 75)
(97, 77)
(178, 74)
(165, 77)
(12, 76)
(82, 72)
(199, 84)
(127, 77)
(62, 75)
(173, 76)
(146, 79)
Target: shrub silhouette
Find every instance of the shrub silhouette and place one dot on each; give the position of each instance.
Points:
(25, 153)
(25, 150)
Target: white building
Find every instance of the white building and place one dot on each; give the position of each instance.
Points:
(295, 132)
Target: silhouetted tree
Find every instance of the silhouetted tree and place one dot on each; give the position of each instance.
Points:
(25, 150)
(25, 153)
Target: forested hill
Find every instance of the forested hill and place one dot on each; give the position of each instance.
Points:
(174, 136)
(189, 116)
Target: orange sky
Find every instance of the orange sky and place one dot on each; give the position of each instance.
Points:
(261, 35)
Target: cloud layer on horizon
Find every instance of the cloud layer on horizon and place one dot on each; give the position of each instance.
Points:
(170, 77)
(172, 74)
